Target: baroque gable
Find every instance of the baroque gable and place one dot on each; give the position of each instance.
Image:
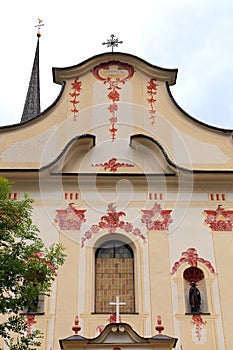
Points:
(113, 98)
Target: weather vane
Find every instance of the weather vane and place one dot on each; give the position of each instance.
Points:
(39, 25)
(112, 42)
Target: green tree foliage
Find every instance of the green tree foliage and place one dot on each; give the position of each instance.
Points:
(27, 268)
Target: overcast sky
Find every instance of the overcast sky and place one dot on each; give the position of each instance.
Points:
(195, 36)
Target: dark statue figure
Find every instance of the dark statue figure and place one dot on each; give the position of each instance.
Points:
(195, 299)
(33, 307)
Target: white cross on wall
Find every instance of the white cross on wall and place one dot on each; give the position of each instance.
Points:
(117, 303)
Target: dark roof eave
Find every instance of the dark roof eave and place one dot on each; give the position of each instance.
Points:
(37, 117)
(216, 128)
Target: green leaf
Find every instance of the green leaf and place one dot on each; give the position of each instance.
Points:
(27, 267)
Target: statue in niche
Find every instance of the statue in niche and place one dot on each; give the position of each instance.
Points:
(195, 299)
(33, 307)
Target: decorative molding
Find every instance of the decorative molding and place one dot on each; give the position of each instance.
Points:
(76, 86)
(113, 318)
(113, 73)
(159, 327)
(191, 257)
(70, 218)
(199, 323)
(100, 328)
(30, 320)
(193, 274)
(76, 327)
(112, 165)
(155, 196)
(71, 195)
(217, 196)
(112, 221)
(152, 224)
(219, 219)
(152, 91)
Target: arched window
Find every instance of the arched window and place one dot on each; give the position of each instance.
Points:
(114, 276)
(196, 275)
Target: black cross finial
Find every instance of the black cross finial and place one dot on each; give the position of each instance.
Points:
(39, 25)
(112, 42)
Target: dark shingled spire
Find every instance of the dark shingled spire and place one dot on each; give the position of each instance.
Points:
(32, 102)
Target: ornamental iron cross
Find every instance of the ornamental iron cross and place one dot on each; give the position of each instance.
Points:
(112, 42)
(117, 303)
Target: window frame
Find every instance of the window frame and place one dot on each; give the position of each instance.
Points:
(114, 242)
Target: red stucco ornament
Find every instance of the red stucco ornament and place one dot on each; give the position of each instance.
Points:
(156, 218)
(112, 221)
(191, 257)
(70, 218)
(219, 219)
(113, 74)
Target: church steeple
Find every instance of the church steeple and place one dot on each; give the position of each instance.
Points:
(32, 102)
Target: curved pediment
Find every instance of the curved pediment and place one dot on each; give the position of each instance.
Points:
(119, 334)
(138, 154)
(67, 73)
(141, 155)
(160, 155)
(68, 160)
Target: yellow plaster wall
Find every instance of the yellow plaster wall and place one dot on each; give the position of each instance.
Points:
(187, 143)
(66, 291)
(223, 247)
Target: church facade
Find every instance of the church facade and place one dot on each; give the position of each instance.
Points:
(140, 194)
